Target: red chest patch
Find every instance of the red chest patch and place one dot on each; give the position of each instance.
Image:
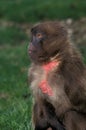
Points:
(44, 86)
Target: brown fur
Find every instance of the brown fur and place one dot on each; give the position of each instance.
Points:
(68, 80)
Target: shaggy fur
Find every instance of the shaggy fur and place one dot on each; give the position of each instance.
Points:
(67, 106)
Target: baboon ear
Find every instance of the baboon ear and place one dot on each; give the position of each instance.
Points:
(55, 43)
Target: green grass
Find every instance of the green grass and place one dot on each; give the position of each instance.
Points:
(12, 35)
(37, 10)
(82, 49)
(15, 97)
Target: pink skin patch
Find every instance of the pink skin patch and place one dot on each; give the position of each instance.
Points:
(48, 67)
(44, 86)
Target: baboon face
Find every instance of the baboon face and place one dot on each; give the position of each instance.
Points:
(47, 39)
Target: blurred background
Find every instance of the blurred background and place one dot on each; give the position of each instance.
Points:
(16, 19)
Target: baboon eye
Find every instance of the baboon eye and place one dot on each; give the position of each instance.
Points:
(39, 35)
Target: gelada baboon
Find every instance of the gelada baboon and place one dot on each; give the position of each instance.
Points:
(58, 79)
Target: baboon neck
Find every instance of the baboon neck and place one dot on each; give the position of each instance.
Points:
(50, 66)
